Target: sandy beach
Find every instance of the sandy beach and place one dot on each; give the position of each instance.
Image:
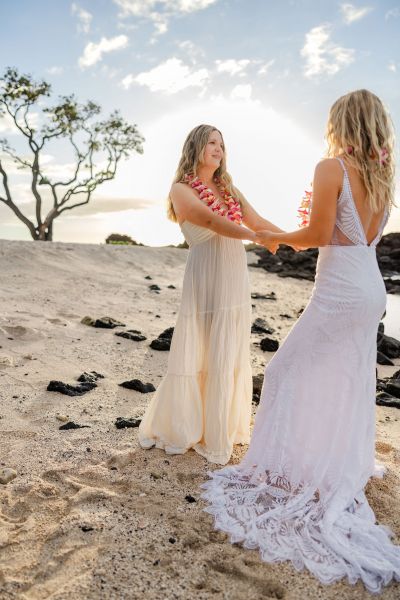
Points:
(90, 515)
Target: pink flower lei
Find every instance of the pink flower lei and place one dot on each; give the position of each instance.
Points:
(304, 211)
(233, 211)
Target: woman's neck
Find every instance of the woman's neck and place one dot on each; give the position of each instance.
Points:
(206, 175)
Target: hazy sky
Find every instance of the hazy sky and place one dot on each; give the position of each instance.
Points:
(263, 72)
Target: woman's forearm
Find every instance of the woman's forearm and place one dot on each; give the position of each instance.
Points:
(227, 228)
(304, 237)
(264, 224)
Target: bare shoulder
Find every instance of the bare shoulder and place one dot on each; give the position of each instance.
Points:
(330, 169)
(181, 191)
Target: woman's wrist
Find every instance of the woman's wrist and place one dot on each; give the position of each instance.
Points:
(252, 236)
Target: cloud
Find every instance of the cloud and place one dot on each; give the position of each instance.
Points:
(242, 92)
(266, 67)
(84, 18)
(351, 13)
(93, 53)
(232, 66)
(107, 204)
(321, 55)
(392, 66)
(393, 13)
(191, 50)
(171, 76)
(160, 11)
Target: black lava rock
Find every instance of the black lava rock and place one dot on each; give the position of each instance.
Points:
(163, 342)
(301, 265)
(154, 288)
(389, 346)
(148, 277)
(257, 296)
(167, 334)
(72, 425)
(261, 326)
(122, 423)
(393, 388)
(132, 334)
(160, 344)
(190, 499)
(70, 390)
(138, 386)
(382, 359)
(269, 345)
(107, 323)
(384, 399)
(258, 381)
(91, 377)
(171, 287)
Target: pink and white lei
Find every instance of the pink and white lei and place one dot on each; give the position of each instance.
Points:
(233, 211)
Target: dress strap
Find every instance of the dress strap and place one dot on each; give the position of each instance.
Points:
(342, 163)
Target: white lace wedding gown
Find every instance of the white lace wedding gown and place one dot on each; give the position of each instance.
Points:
(298, 494)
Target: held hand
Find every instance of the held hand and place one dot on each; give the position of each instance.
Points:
(267, 239)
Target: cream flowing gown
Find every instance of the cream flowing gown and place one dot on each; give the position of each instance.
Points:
(204, 400)
(298, 493)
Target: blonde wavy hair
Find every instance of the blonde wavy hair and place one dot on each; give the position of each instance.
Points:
(360, 127)
(193, 155)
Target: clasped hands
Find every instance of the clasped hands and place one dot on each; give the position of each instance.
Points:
(269, 240)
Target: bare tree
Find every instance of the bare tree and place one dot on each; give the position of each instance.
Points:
(103, 141)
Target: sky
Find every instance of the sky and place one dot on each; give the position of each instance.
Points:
(265, 73)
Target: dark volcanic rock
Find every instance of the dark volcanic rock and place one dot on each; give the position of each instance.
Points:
(171, 287)
(257, 387)
(163, 342)
(138, 386)
(132, 334)
(384, 399)
(154, 288)
(393, 387)
(388, 255)
(301, 265)
(269, 345)
(91, 377)
(148, 277)
(108, 323)
(381, 359)
(261, 326)
(103, 322)
(389, 346)
(72, 425)
(288, 263)
(167, 334)
(190, 499)
(70, 390)
(160, 344)
(122, 423)
(257, 296)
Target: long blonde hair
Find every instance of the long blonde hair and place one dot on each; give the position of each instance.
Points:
(192, 155)
(360, 128)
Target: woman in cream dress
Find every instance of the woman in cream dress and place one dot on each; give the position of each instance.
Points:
(204, 400)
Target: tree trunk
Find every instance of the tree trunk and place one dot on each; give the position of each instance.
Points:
(45, 233)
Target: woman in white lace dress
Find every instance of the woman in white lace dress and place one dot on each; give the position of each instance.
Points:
(298, 494)
(204, 400)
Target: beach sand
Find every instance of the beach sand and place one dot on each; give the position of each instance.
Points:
(90, 515)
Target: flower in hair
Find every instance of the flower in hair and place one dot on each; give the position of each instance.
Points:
(383, 156)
